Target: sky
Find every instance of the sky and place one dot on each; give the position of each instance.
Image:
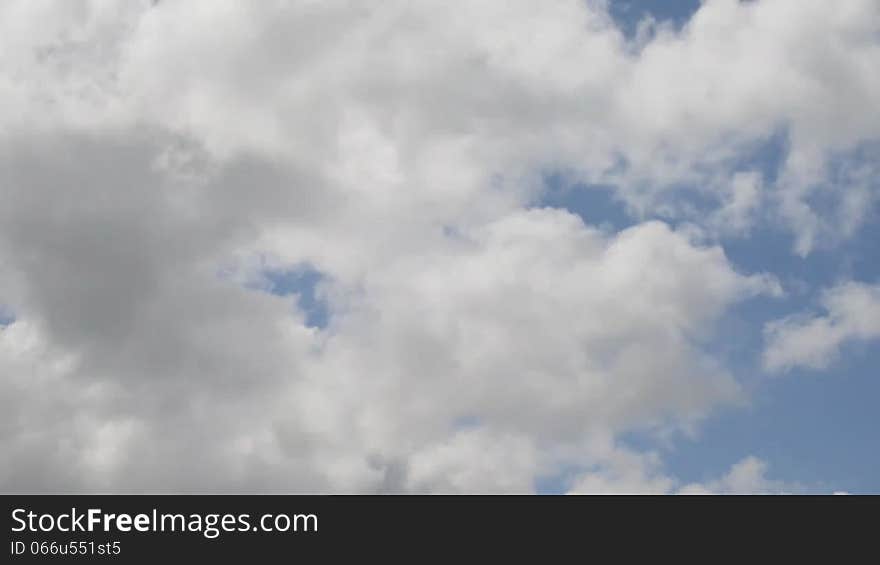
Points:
(557, 247)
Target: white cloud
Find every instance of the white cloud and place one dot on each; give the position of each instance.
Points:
(403, 94)
(742, 200)
(625, 472)
(533, 326)
(543, 331)
(813, 341)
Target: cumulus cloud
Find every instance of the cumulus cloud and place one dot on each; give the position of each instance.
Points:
(156, 158)
(852, 313)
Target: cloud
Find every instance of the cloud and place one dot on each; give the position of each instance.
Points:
(748, 476)
(155, 159)
(381, 97)
(625, 472)
(634, 473)
(543, 331)
(534, 326)
(814, 341)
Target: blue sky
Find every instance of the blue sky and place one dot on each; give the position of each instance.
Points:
(628, 13)
(6, 315)
(303, 283)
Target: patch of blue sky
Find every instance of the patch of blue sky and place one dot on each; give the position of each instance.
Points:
(559, 482)
(816, 427)
(467, 422)
(7, 316)
(768, 246)
(765, 155)
(600, 204)
(597, 205)
(304, 282)
(628, 13)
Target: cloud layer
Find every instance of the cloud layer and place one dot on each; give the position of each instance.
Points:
(158, 159)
